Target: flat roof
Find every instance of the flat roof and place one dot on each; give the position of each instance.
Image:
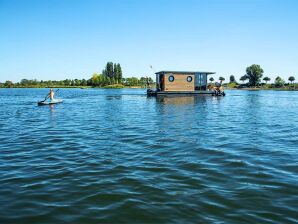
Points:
(185, 72)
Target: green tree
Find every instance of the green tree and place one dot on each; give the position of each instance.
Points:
(113, 72)
(266, 79)
(254, 74)
(34, 82)
(49, 83)
(232, 79)
(89, 82)
(24, 82)
(110, 75)
(67, 82)
(279, 82)
(116, 74)
(95, 80)
(292, 79)
(110, 70)
(143, 81)
(61, 83)
(243, 78)
(133, 81)
(150, 80)
(211, 79)
(222, 79)
(119, 73)
(8, 84)
(77, 82)
(84, 82)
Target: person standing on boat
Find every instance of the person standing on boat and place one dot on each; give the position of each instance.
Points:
(221, 89)
(147, 82)
(51, 94)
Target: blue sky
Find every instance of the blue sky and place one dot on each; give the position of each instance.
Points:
(58, 39)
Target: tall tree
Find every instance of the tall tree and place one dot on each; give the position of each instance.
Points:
(292, 79)
(254, 74)
(116, 80)
(109, 70)
(232, 79)
(94, 80)
(8, 84)
(67, 82)
(84, 82)
(222, 79)
(266, 79)
(77, 82)
(243, 78)
(119, 73)
(279, 82)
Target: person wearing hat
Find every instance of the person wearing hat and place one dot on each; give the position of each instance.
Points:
(218, 90)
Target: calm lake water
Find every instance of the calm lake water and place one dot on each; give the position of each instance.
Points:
(116, 156)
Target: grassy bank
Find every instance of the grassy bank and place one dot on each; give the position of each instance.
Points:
(286, 87)
(114, 86)
(40, 87)
(256, 89)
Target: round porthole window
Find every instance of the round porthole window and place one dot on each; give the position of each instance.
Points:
(171, 78)
(189, 78)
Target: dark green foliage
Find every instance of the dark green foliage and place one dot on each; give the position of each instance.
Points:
(279, 82)
(222, 79)
(119, 73)
(44, 84)
(254, 74)
(8, 84)
(111, 75)
(232, 79)
(113, 72)
(243, 78)
(266, 79)
(145, 81)
(84, 82)
(291, 79)
(211, 79)
(109, 70)
(133, 81)
(67, 82)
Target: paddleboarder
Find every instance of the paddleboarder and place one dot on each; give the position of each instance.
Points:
(51, 94)
(52, 100)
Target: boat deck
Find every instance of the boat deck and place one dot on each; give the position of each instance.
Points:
(197, 92)
(185, 92)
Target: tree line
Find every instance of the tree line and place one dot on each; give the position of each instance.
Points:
(111, 75)
(253, 76)
(100, 80)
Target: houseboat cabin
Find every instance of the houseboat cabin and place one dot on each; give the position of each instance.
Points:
(182, 82)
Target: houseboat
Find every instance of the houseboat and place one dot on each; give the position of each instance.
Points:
(184, 82)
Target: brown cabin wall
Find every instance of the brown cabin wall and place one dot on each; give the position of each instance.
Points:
(180, 83)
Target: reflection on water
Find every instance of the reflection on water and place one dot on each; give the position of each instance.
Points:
(52, 107)
(116, 156)
(177, 100)
(115, 97)
(186, 99)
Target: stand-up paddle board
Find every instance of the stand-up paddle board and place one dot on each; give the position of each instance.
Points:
(42, 103)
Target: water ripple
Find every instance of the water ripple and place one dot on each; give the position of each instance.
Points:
(116, 156)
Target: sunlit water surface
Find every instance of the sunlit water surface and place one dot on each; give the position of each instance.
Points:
(116, 156)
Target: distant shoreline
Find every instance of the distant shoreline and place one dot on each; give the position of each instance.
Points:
(132, 87)
(258, 89)
(76, 87)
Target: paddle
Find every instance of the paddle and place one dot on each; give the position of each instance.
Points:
(47, 96)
